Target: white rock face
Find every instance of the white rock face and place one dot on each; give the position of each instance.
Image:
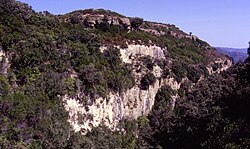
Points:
(125, 21)
(157, 71)
(109, 111)
(131, 104)
(4, 62)
(141, 50)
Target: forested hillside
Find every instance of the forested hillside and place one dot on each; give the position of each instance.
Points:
(215, 114)
(97, 79)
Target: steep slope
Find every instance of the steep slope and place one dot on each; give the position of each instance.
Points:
(215, 114)
(72, 73)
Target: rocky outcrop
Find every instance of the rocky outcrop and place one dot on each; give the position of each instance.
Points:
(4, 62)
(91, 20)
(109, 111)
(134, 51)
(192, 37)
(128, 54)
(153, 31)
(219, 65)
(132, 103)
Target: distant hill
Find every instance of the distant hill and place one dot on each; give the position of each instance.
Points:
(236, 54)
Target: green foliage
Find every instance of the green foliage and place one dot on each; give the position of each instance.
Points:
(142, 121)
(193, 74)
(147, 80)
(179, 70)
(147, 61)
(40, 44)
(162, 97)
(136, 22)
(45, 53)
(213, 115)
(143, 38)
(33, 124)
(165, 73)
(96, 11)
(215, 66)
(70, 84)
(48, 86)
(102, 137)
(4, 85)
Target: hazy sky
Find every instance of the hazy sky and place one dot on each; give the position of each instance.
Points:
(219, 22)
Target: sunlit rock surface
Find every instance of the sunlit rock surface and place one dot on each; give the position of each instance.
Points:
(132, 103)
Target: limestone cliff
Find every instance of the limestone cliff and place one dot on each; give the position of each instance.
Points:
(132, 103)
(146, 47)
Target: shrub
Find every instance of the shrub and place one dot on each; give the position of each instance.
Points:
(215, 66)
(162, 97)
(193, 74)
(136, 22)
(147, 80)
(179, 70)
(147, 61)
(165, 73)
(4, 85)
(142, 121)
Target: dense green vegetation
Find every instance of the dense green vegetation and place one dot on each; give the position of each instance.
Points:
(147, 80)
(214, 115)
(49, 58)
(43, 53)
(40, 44)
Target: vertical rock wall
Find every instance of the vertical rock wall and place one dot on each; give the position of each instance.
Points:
(131, 104)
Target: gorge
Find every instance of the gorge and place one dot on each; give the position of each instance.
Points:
(97, 79)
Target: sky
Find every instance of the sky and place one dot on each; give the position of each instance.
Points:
(221, 23)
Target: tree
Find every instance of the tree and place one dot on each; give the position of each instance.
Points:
(147, 80)
(74, 20)
(136, 23)
(4, 85)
